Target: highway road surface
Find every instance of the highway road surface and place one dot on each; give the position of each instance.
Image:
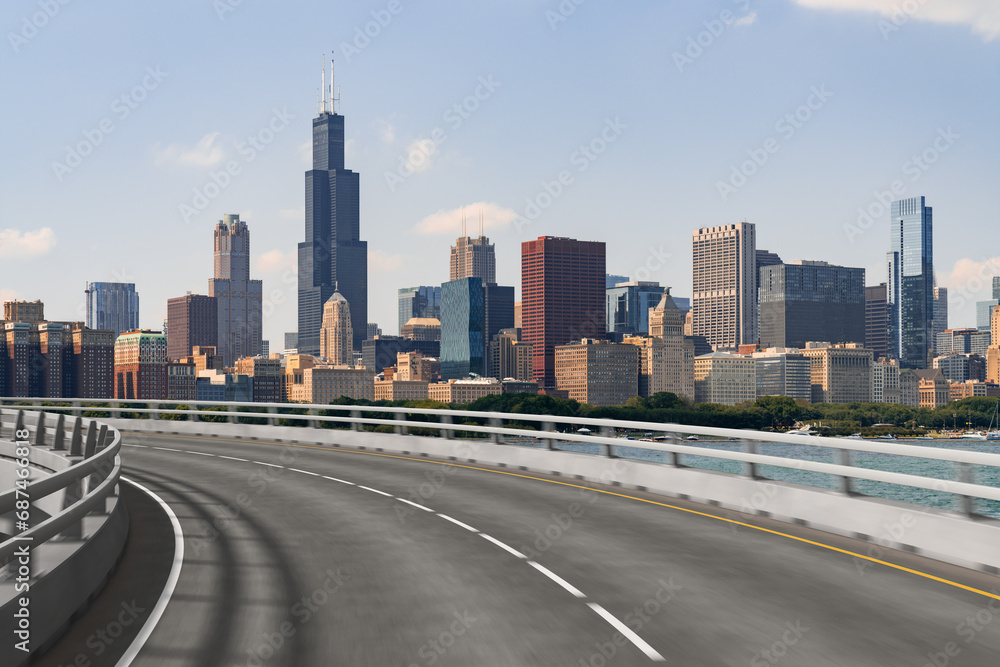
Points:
(301, 555)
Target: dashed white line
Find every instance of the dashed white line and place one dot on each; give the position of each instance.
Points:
(368, 488)
(502, 545)
(334, 479)
(201, 453)
(457, 522)
(556, 578)
(640, 643)
(304, 472)
(125, 444)
(418, 506)
(273, 465)
(233, 458)
(167, 449)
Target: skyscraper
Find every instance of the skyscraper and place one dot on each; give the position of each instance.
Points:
(192, 319)
(498, 310)
(910, 285)
(940, 312)
(724, 302)
(462, 321)
(996, 287)
(113, 306)
(336, 336)
(563, 297)
(876, 320)
(811, 301)
(333, 253)
(422, 301)
(473, 258)
(629, 304)
(238, 299)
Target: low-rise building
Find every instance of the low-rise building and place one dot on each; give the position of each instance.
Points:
(414, 366)
(783, 372)
(421, 328)
(266, 374)
(512, 386)
(885, 381)
(721, 377)
(214, 385)
(400, 390)
(325, 384)
(934, 388)
(970, 388)
(182, 381)
(598, 372)
(463, 391)
(958, 367)
(909, 388)
(840, 373)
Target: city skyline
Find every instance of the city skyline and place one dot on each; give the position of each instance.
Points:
(472, 169)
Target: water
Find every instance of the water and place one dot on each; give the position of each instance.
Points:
(946, 470)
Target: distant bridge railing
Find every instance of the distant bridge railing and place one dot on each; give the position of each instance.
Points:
(502, 427)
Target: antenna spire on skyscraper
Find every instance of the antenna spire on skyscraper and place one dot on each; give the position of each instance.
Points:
(322, 64)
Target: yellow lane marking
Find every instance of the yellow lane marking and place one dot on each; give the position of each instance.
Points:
(902, 568)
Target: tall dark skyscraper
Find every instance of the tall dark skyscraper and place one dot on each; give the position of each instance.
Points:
(333, 255)
(910, 265)
(238, 299)
(876, 324)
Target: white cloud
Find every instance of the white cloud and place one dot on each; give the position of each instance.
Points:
(276, 261)
(206, 153)
(982, 15)
(386, 132)
(450, 222)
(420, 155)
(381, 261)
(972, 277)
(749, 19)
(23, 245)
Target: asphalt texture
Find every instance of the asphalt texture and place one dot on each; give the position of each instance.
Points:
(283, 567)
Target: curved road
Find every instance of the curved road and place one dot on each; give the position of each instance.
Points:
(301, 555)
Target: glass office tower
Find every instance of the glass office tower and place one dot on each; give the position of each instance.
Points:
(462, 321)
(629, 304)
(421, 301)
(910, 268)
(113, 306)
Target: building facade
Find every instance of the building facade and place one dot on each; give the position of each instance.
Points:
(724, 302)
(598, 372)
(31, 312)
(113, 306)
(885, 382)
(239, 303)
(332, 254)
(400, 390)
(421, 328)
(266, 376)
(473, 258)
(961, 367)
(783, 372)
(910, 284)
(423, 301)
(877, 320)
(462, 329)
(510, 357)
(563, 297)
(464, 391)
(182, 382)
(629, 304)
(840, 373)
(724, 378)
(192, 320)
(141, 365)
(809, 300)
(963, 341)
(666, 322)
(336, 336)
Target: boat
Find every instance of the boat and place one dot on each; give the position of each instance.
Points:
(855, 436)
(973, 435)
(886, 436)
(805, 430)
(691, 437)
(990, 433)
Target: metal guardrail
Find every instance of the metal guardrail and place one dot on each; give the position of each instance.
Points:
(87, 482)
(965, 489)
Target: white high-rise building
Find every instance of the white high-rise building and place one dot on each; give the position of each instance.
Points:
(336, 335)
(724, 303)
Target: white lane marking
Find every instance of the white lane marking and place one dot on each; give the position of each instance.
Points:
(125, 444)
(368, 488)
(457, 522)
(273, 465)
(167, 449)
(233, 458)
(334, 479)
(410, 502)
(201, 453)
(502, 545)
(639, 642)
(168, 589)
(556, 578)
(304, 472)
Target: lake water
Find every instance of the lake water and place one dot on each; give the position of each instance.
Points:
(946, 470)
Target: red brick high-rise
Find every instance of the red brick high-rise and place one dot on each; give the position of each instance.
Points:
(562, 297)
(192, 319)
(141, 365)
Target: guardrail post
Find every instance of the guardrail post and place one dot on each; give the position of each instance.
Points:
(844, 459)
(271, 421)
(608, 432)
(548, 428)
(76, 440)
(965, 475)
(311, 422)
(194, 417)
(750, 469)
(496, 422)
(674, 458)
(400, 429)
(356, 414)
(74, 492)
(77, 409)
(40, 430)
(59, 444)
(18, 424)
(115, 411)
(447, 433)
(102, 438)
(90, 444)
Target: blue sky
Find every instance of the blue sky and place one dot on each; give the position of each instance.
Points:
(792, 114)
